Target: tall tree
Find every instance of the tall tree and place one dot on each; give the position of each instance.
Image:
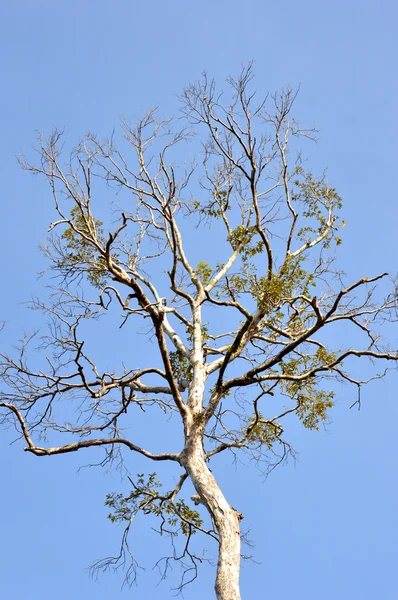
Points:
(229, 334)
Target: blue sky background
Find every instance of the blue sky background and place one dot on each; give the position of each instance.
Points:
(327, 525)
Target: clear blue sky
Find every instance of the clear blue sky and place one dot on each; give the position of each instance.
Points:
(326, 526)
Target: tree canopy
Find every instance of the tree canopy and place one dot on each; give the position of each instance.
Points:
(209, 233)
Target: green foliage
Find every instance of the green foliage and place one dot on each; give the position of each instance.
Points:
(323, 357)
(263, 431)
(292, 279)
(204, 271)
(270, 291)
(318, 199)
(216, 207)
(182, 368)
(313, 402)
(146, 498)
(186, 516)
(204, 330)
(81, 253)
(313, 406)
(242, 237)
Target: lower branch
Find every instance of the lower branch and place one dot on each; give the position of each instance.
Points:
(39, 451)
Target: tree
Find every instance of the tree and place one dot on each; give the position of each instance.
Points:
(274, 283)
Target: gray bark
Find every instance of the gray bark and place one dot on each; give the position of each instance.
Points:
(225, 518)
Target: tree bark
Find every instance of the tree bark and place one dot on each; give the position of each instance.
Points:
(225, 518)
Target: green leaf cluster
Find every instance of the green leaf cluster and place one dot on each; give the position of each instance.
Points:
(263, 431)
(141, 498)
(189, 516)
(318, 199)
(204, 272)
(145, 498)
(204, 330)
(242, 237)
(181, 366)
(270, 290)
(216, 207)
(80, 252)
(313, 406)
(313, 402)
(292, 279)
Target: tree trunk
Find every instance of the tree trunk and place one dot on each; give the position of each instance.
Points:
(225, 518)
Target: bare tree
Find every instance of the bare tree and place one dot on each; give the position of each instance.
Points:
(274, 282)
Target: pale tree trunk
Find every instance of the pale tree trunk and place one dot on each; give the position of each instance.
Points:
(225, 518)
